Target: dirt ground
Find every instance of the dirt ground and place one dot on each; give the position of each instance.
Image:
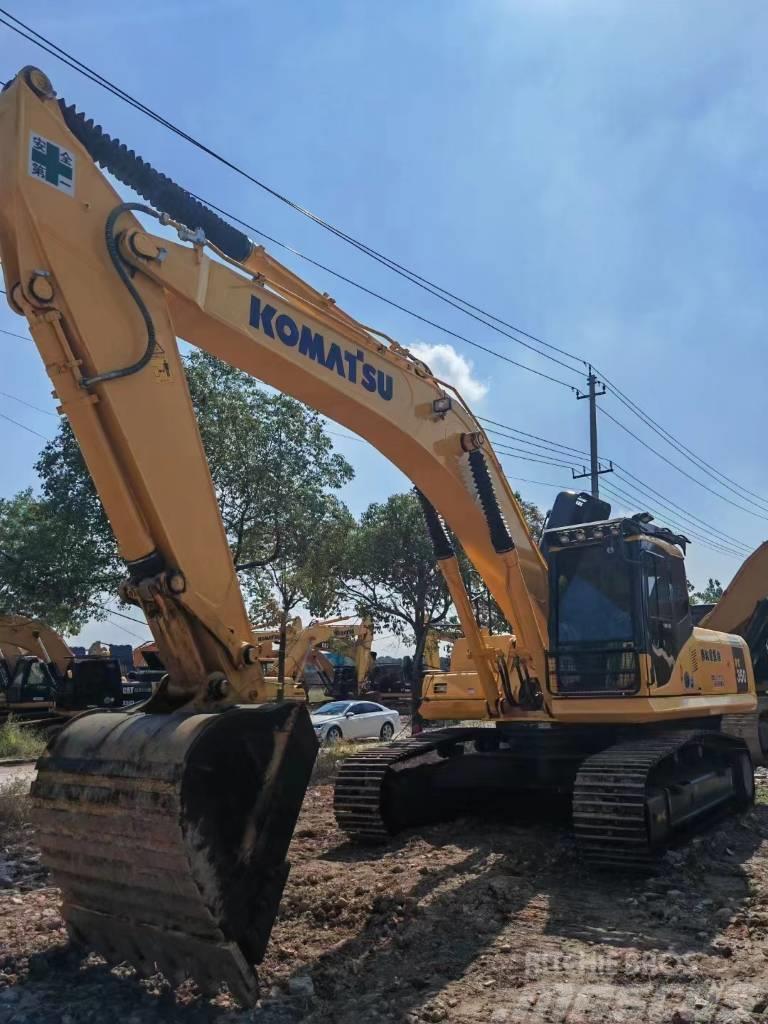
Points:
(467, 922)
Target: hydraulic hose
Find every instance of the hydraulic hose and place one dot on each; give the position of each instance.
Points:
(114, 255)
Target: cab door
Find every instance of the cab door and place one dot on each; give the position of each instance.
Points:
(668, 611)
(36, 685)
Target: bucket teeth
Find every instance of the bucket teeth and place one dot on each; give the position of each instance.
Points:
(168, 835)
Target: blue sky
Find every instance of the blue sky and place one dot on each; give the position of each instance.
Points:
(594, 172)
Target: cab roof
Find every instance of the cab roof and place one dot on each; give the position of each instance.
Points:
(622, 526)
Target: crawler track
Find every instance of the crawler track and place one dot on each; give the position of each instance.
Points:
(613, 820)
(629, 799)
(360, 798)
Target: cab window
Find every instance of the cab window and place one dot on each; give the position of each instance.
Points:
(37, 685)
(669, 612)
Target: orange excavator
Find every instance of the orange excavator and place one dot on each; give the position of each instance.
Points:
(167, 827)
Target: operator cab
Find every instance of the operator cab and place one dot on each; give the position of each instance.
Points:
(87, 682)
(26, 681)
(91, 681)
(618, 590)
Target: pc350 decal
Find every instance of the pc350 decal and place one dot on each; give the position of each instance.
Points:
(350, 366)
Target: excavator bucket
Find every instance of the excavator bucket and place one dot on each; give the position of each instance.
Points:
(168, 835)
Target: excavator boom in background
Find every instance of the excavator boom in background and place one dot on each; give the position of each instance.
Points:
(351, 640)
(41, 679)
(167, 828)
(341, 657)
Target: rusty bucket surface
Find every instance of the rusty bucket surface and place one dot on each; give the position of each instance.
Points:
(168, 835)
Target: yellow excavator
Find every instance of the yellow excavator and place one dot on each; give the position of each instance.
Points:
(342, 657)
(41, 679)
(167, 828)
(743, 610)
(303, 647)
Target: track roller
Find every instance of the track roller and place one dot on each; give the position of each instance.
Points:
(631, 799)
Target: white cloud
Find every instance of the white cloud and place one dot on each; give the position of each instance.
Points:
(448, 364)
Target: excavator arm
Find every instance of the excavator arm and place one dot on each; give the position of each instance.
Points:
(34, 637)
(188, 874)
(747, 589)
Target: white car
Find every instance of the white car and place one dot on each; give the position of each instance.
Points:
(354, 720)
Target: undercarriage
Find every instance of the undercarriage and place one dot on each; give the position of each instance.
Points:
(632, 789)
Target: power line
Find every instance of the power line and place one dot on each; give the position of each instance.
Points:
(436, 290)
(622, 496)
(670, 521)
(531, 444)
(678, 445)
(119, 625)
(680, 469)
(540, 483)
(532, 458)
(673, 521)
(347, 437)
(122, 615)
(23, 426)
(29, 405)
(659, 498)
(21, 337)
(508, 431)
(445, 295)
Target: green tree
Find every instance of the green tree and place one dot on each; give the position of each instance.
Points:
(271, 462)
(269, 455)
(534, 516)
(306, 566)
(711, 594)
(392, 576)
(46, 558)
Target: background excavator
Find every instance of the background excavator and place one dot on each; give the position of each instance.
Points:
(743, 610)
(41, 679)
(306, 646)
(342, 658)
(167, 828)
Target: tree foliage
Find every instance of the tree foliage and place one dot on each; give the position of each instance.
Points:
(391, 573)
(711, 594)
(269, 455)
(57, 554)
(273, 468)
(47, 567)
(306, 566)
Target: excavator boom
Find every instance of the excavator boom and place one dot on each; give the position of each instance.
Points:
(190, 862)
(167, 828)
(35, 637)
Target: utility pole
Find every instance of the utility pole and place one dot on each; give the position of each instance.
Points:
(595, 469)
